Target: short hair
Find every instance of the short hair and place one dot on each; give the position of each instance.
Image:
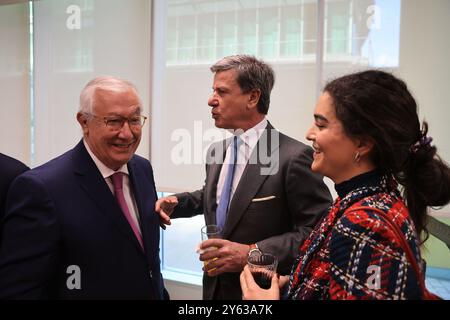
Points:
(251, 74)
(108, 83)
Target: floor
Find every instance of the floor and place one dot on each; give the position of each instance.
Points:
(438, 286)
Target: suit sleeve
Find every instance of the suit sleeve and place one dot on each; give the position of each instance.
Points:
(29, 241)
(308, 198)
(189, 204)
(10, 169)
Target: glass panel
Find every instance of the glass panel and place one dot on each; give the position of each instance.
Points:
(172, 36)
(359, 34)
(186, 39)
(268, 33)
(206, 49)
(291, 31)
(247, 30)
(226, 34)
(337, 27)
(309, 21)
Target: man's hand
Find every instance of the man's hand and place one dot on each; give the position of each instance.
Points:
(164, 207)
(223, 256)
(251, 291)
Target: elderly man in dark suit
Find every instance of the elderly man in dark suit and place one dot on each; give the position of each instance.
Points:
(83, 226)
(9, 169)
(259, 187)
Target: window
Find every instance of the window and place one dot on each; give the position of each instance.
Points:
(178, 248)
(45, 65)
(357, 34)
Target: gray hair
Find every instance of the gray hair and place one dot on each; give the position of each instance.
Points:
(108, 83)
(251, 74)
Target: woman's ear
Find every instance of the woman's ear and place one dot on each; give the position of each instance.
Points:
(365, 146)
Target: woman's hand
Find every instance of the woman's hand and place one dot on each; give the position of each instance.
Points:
(283, 281)
(251, 291)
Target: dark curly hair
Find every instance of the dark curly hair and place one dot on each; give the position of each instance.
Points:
(378, 105)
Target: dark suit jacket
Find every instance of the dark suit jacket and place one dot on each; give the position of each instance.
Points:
(297, 198)
(9, 169)
(63, 214)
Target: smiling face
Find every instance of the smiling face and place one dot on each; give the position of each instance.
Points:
(334, 150)
(231, 108)
(112, 148)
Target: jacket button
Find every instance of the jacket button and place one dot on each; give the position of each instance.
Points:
(151, 274)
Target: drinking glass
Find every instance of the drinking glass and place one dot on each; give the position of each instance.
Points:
(210, 231)
(262, 266)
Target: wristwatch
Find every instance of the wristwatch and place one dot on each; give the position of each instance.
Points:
(254, 249)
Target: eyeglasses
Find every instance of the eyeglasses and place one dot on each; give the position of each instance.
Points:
(115, 123)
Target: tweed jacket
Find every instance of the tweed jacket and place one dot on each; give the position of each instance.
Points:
(355, 255)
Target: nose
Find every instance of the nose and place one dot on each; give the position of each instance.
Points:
(311, 134)
(125, 132)
(212, 100)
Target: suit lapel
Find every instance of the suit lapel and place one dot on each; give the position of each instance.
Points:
(92, 182)
(143, 210)
(143, 193)
(254, 175)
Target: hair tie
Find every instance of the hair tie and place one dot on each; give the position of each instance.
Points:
(422, 142)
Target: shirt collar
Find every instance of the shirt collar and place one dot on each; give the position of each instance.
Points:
(104, 170)
(252, 135)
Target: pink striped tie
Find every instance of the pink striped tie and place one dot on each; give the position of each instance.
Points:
(117, 180)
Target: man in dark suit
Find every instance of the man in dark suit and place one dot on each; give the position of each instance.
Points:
(83, 226)
(9, 169)
(259, 187)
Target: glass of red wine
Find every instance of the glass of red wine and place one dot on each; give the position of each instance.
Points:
(262, 266)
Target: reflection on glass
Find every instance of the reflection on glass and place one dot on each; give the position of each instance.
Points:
(226, 35)
(382, 46)
(291, 31)
(366, 32)
(206, 40)
(248, 40)
(203, 31)
(268, 27)
(186, 47)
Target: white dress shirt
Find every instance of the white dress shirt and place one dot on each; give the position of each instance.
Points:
(107, 173)
(248, 142)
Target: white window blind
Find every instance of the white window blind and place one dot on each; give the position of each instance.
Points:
(14, 81)
(112, 38)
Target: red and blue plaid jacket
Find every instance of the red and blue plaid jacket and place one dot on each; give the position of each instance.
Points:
(355, 255)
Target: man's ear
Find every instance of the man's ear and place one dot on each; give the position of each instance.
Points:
(253, 98)
(82, 120)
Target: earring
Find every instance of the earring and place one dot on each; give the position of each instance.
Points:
(357, 157)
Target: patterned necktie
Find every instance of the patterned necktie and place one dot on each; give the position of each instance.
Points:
(224, 202)
(117, 180)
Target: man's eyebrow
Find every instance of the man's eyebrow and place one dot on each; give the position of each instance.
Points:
(114, 114)
(221, 88)
(318, 117)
